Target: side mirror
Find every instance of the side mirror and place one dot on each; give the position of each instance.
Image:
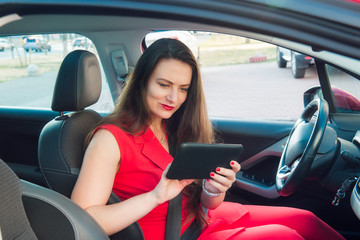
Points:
(344, 101)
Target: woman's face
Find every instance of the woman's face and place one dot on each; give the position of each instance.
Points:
(167, 88)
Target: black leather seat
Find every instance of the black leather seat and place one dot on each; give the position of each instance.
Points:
(30, 212)
(61, 142)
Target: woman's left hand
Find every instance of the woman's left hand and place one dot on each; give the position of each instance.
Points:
(222, 179)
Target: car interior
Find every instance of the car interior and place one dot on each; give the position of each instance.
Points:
(300, 136)
(33, 212)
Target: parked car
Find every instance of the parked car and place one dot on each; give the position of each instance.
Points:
(82, 43)
(36, 44)
(5, 44)
(185, 36)
(300, 146)
(79, 42)
(299, 62)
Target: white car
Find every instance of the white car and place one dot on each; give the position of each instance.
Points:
(185, 36)
(5, 44)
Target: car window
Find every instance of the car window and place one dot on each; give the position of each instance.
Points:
(346, 89)
(236, 71)
(29, 66)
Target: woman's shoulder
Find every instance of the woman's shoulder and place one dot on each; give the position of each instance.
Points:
(111, 128)
(118, 133)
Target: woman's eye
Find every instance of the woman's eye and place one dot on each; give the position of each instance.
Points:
(184, 89)
(163, 85)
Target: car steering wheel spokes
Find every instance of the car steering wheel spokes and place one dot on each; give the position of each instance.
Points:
(285, 171)
(301, 147)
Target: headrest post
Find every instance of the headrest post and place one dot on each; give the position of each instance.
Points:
(61, 116)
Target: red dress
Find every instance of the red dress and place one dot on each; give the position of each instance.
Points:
(143, 159)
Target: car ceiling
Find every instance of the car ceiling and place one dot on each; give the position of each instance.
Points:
(279, 24)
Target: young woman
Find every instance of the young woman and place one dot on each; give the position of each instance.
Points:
(161, 107)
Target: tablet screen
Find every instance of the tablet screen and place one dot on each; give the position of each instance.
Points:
(197, 160)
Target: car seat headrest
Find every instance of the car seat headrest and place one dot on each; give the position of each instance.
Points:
(78, 83)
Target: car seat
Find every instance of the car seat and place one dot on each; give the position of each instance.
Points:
(62, 140)
(30, 212)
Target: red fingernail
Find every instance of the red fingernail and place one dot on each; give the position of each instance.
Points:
(232, 163)
(218, 169)
(208, 180)
(212, 174)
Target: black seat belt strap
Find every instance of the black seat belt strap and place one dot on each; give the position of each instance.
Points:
(173, 221)
(192, 232)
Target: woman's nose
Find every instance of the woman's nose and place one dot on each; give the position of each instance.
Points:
(173, 95)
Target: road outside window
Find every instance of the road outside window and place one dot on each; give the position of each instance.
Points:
(236, 71)
(34, 60)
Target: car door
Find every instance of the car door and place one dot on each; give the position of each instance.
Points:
(26, 85)
(253, 102)
(19, 134)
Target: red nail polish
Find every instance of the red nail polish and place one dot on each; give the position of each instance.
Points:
(218, 169)
(232, 163)
(208, 180)
(212, 174)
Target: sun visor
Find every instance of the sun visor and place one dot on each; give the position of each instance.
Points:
(9, 18)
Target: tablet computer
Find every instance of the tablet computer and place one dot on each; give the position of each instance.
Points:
(197, 160)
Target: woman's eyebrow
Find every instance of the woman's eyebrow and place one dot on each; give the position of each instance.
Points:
(163, 79)
(170, 82)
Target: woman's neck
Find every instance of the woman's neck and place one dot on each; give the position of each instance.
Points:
(159, 132)
(156, 125)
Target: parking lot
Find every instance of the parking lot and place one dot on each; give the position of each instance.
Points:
(231, 89)
(245, 84)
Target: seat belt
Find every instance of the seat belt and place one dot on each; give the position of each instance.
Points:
(173, 223)
(173, 217)
(173, 220)
(192, 232)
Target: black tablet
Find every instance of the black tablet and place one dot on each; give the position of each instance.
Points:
(197, 160)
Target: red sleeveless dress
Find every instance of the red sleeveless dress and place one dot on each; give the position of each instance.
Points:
(143, 159)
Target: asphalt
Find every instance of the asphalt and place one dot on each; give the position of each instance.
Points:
(248, 91)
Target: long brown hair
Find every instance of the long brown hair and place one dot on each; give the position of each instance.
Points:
(190, 123)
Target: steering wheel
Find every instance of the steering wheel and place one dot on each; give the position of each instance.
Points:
(301, 147)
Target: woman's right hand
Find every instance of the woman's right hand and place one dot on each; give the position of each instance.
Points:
(168, 189)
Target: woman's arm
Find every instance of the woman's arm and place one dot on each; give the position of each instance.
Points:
(95, 183)
(215, 187)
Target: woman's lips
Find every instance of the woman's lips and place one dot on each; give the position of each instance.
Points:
(167, 107)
